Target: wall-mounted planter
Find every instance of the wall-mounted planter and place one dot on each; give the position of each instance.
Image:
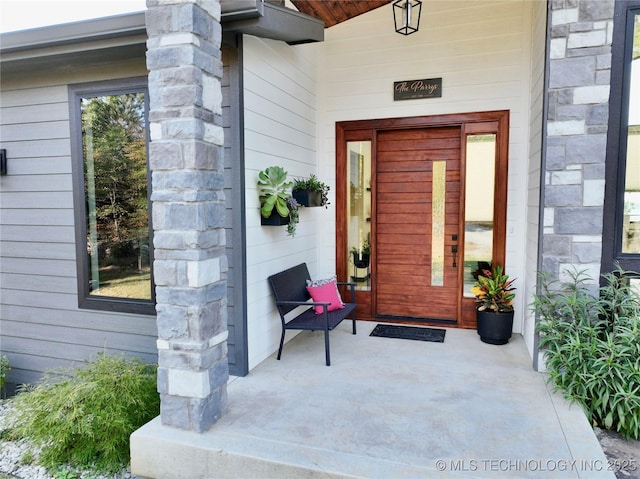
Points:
(308, 197)
(274, 220)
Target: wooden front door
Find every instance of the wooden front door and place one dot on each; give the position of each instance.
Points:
(417, 227)
(389, 173)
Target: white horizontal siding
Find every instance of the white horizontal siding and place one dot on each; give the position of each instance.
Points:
(41, 325)
(539, 25)
(280, 130)
(480, 49)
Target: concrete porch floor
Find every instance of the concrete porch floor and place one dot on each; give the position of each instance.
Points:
(385, 408)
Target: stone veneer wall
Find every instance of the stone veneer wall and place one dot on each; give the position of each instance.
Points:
(186, 160)
(577, 118)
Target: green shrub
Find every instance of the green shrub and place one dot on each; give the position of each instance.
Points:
(84, 418)
(5, 366)
(592, 347)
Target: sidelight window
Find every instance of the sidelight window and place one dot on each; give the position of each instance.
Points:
(479, 205)
(359, 212)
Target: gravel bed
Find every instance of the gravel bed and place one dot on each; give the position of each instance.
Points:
(11, 453)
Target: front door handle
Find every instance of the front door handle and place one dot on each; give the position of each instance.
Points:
(454, 250)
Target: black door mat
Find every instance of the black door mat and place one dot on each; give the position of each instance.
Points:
(409, 332)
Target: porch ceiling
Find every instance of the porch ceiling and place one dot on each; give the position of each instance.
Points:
(332, 12)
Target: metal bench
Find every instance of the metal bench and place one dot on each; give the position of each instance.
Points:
(290, 290)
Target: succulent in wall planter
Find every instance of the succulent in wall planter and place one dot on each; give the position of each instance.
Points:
(277, 206)
(311, 191)
(494, 294)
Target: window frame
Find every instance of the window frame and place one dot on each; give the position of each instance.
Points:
(616, 156)
(76, 93)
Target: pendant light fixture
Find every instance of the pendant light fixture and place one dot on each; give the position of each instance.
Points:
(406, 16)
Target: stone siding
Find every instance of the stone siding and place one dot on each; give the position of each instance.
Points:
(186, 160)
(578, 95)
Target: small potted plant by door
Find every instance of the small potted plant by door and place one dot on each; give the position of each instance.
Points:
(361, 257)
(277, 206)
(494, 294)
(311, 191)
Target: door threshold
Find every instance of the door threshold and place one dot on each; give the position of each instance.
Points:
(415, 321)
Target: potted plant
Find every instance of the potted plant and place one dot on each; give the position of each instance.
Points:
(361, 256)
(494, 294)
(277, 206)
(311, 191)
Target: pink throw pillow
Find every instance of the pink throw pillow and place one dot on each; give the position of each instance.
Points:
(326, 293)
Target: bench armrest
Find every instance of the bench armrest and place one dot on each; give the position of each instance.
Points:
(324, 304)
(303, 303)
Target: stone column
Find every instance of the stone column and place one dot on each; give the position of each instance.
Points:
(579, 82)
(186, 161)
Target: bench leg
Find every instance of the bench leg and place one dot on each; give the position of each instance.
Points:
(326, 347)
(281, 343)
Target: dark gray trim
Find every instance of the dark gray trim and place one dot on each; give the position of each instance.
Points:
(64, 42)
(279, 23)
(543, 168)
(117, 26)
(240, 233)
(236, 234)
(233, 10)
(76, 92)
(615, 169)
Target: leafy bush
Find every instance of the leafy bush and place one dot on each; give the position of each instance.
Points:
(5, 366)
(85, 417)
(592, 347)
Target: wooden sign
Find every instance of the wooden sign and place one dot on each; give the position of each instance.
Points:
(413, 89)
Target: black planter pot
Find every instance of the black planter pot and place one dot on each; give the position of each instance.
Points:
(274, 220)
(494, 328)
(361, 261)
(308, 197)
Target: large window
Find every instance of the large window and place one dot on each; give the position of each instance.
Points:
(112, 196)
(631, 198)
(622, 203)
